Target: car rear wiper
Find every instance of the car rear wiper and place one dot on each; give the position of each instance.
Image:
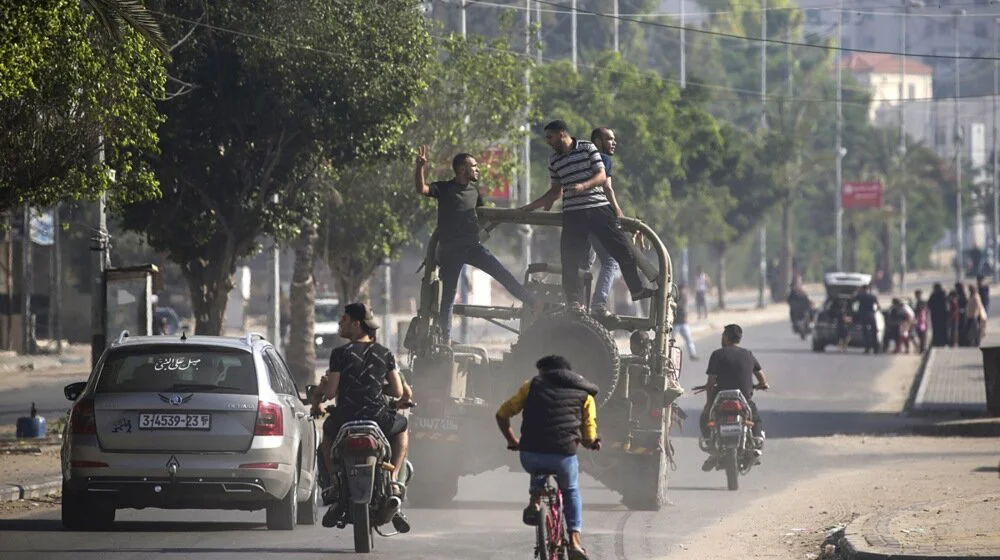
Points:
(200, 387)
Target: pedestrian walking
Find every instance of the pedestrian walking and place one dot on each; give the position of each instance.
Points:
(921, 313)
(458, 234)
(867, 307)
(702, 282)
(975, 317)
(577, 175)
(937, 305)
(680, 321)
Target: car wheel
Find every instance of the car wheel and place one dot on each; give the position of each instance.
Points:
(818, 345)
(308, 513)
(79, 514)
(282, 515)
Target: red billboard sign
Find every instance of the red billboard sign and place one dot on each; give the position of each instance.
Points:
(861, 195)
(495, 181)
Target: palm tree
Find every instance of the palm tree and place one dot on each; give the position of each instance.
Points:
(113, 13)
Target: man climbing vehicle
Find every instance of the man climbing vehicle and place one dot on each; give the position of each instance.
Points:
(578, 176)
(604, 139)
(559, 414)
(733, 368)
(361, 373)
(458, 233)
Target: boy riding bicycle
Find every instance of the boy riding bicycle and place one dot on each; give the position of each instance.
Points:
(559, 414)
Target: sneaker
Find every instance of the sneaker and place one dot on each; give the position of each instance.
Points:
(694, 358)
(530, 516)
(644, 293)
(600, 313)
(709, 463)
(400, 523)
(332, 516)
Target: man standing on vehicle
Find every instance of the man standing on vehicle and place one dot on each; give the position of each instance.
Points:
(604, 139)
(730, 368)
(865, 316)
(458, 233)
(559, 414)
(577, 175)
(361, 373)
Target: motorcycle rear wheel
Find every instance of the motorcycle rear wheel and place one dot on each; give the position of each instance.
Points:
(363, 537)
(731, 463)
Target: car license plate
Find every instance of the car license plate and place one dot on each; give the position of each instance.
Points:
(730, 428)
(434, 424)
(164, 421)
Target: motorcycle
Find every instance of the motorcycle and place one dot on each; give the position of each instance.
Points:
(361, 484)
(732, 440)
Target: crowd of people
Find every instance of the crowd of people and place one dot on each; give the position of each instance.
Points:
(958, 317)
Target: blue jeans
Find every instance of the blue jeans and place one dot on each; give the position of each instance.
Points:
(685, 331)
(567, 470)
(451, 262)
(609, 271)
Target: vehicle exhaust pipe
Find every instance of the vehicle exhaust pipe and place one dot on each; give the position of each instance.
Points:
(392, 506)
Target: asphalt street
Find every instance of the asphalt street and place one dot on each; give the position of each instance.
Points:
(812, 395)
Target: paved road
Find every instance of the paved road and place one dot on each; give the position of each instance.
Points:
(813, 395)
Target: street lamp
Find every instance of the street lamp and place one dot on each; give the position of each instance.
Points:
(959, 243)
(840, 151)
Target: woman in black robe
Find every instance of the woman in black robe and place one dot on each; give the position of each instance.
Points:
(937, 304)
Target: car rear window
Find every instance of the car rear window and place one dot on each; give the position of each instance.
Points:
(192, 369)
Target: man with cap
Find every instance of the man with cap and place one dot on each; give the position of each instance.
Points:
(361, 373)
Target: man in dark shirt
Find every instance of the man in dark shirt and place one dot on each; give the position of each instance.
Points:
(984, 292)
(361, 373)
(458, 233)
(865, 316)
(732, 367)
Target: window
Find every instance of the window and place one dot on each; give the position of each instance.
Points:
(164, 368)
(281, 380)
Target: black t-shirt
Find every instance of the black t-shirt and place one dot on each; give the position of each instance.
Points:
(867, 304)
(363, 368)
(457, 222)
(734, 368)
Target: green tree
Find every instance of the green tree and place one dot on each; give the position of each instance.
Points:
(475, 100)
(115, 15)
(280, 88)
(64, 86)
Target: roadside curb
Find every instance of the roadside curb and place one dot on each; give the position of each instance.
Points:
(14, 492)
(865, 538)
(919, 387)
(978, 428)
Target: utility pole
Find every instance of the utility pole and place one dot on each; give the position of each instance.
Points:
(27, 285)
(572, 29)
(387, 304)
(959, 226)
(55, 293)
(683, 46)
(840, 142)
(538, 31)
(614, 4)
(99, 246)
(996, 185)
(274, 305)
(763, 125)
(524, 193)
(902, 242)
(461, 18)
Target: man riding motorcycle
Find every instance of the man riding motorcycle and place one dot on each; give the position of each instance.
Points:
(799, 305)
(559, 414)
(361, 374)
(733, 367)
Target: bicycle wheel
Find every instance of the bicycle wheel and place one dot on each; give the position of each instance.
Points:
(561, 550)
(542, 534)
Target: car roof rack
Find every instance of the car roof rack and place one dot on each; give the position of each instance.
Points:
(122, 336)
(250, 336)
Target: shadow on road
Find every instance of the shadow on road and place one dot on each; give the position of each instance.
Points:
(697, 489)
(486, 505)
(179, 550)
(818, 423)
(54, 525)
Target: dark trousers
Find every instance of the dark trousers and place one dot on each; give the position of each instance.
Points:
(602, 223)
(757, 429)
(870, 330)
(451, 262)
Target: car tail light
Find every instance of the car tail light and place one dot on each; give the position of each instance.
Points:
(731, 406)
(269, 420)
(360, 442)
(82, 420)
(259, 466)
(87, 464)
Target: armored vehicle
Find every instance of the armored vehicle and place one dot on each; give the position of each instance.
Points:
(460, 386)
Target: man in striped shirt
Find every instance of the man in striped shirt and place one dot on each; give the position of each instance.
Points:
(577, 175)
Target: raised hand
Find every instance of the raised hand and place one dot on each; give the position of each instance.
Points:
(422, 156)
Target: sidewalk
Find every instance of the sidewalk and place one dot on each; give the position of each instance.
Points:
(952, 379)
(965, 528)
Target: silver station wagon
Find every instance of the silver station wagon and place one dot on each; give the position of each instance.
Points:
(199, 422)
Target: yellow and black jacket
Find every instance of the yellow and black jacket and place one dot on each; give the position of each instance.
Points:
(559, 412)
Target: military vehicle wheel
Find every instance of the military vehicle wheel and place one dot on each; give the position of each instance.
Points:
(587, 345)
(647, 486)
(432, 490)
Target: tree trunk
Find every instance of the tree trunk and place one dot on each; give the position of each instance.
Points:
(210, 284)
(720, 278)
(351, 287)
(300, 352)
(886, 264)
(786, 273)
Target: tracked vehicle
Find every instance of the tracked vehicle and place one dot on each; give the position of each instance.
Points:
(460, 386)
